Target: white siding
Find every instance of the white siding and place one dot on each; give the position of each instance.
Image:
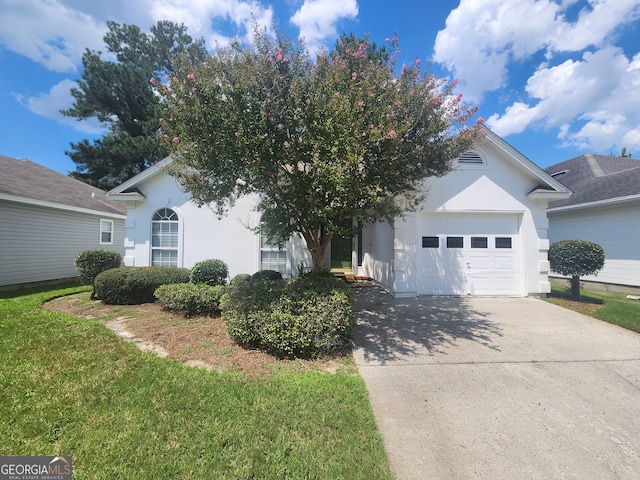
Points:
(40, 243)
(201, 234)
(616, 229)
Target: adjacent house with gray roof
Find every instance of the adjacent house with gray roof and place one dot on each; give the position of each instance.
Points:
(604, 208)
(47, 219)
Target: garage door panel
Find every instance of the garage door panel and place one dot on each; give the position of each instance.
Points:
(476, 254)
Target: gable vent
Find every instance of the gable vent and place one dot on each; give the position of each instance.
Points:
(470, 158)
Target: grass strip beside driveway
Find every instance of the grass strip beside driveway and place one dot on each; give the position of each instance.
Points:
(71, 387)
(611, 307)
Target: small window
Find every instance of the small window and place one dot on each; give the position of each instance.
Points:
(503, 242)
(106, 232)
(272, 255)
(164, 238)
(479, 242)
(455, 242)
(430, 242)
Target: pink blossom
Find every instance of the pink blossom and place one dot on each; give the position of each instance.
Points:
(191, 76)
(354, 75)
(392, 134)
(193, 89)
(176, 140)
(279, 56)
(153, 80)
(360, 103)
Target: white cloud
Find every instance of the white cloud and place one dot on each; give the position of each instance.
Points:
(48, 32)
(583, 84)
(592, 110)
(488, 35)
(58, 98)
(317, 19)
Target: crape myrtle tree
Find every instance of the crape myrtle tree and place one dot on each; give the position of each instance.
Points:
(326, 143)
(116, 91)
(576, 258)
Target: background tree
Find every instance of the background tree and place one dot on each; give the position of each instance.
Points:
(326, 144)
(119, 94)
(576, 258)
(625, 153)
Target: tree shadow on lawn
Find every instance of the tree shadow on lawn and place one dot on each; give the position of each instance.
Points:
(389, 329)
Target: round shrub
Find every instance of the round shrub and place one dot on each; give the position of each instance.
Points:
(135, 285)
(267, 275)
(190, 299)
(210, 272)
(92, 262)
(576, 258)
(240, 278)
(304, 318)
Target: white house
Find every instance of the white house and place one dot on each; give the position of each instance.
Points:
(47, 220)
(605, 209)
(482, 230)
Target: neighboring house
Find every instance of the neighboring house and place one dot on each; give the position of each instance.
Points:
(47, 220)
(482, 230)
(605, 209)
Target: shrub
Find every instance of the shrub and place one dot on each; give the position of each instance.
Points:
(190, 299)
(267, 275)
(92, 262)
(210, 272)
(576, 258)
(135, 285)
(304, 318)
(240, 278)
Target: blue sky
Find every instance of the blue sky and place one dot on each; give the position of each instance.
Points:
(554, 78)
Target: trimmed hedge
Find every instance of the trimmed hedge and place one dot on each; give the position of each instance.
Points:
(210, 272)
(240, 278)
(92, 262)
(305, 317)
(266, 275)
(190, 299)
(135, 285)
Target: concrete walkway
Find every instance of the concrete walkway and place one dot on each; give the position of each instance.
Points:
(499, 388)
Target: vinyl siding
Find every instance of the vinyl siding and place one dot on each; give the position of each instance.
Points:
(616, 230)
(40, 243)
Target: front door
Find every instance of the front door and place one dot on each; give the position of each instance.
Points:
(341, 249)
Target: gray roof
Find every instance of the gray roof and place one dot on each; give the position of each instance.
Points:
(29, 180)
(596, 178)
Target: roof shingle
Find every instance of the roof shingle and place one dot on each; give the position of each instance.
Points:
(594, 178)
(24, 178)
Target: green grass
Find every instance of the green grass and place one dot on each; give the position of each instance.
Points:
(71, 387)
(612, 307)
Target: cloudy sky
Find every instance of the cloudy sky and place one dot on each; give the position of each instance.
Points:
(554, 78)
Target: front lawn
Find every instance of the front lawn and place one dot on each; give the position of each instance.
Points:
(71, 387)
(612, 307)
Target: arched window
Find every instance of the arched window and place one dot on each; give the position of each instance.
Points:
(272, 256)
(164, 238)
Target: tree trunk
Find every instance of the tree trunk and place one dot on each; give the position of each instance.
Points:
(317, 246)
(575, 288)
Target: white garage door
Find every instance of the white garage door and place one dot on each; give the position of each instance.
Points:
(476, 254)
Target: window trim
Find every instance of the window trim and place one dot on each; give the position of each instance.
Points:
(271, 248)
(177, 235)
(106, 221)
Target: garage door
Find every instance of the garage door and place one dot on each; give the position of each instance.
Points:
(469, 254)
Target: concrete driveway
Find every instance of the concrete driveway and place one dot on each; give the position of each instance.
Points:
(499, 388)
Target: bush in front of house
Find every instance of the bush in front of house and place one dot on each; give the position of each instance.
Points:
(92, 262)
(240, 278)
(190, 299)
(135, 285)
(267, 275)
(210, 272)
(304, 318)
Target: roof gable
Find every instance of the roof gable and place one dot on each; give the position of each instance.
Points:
(596, 178)
(29, 182)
